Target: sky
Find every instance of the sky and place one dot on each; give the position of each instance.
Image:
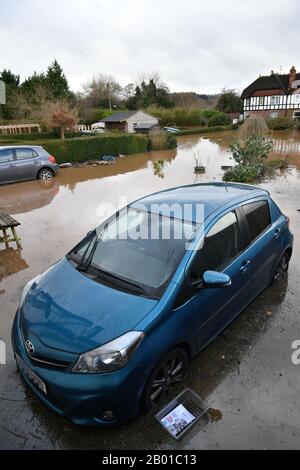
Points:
(194, 45)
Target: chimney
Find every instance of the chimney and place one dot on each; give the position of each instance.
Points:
(293, 76)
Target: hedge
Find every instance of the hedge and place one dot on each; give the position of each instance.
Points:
(90, 148)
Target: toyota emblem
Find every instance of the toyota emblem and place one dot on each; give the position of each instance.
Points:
(29, 347)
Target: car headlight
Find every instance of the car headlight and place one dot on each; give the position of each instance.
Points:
(110, 357)
(27, 289)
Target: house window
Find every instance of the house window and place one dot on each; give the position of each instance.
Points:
(261, 100)
(273, 115)
(297, 98)
(135, 125)
(275, 100)
(297, 115)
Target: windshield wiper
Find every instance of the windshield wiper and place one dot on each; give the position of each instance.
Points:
(84, 264)
(101, 273)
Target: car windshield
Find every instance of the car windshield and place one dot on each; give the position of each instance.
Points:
(135, 251)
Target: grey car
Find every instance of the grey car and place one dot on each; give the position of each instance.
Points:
(21, 163)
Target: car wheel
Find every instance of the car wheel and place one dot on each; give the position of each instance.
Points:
(168, 372)
(282, 267)
(45, 174)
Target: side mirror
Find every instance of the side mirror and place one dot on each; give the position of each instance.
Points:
(215, 280)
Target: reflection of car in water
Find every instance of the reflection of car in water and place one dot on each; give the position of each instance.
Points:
(24, 197)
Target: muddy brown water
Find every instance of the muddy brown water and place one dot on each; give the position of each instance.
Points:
(246, 375)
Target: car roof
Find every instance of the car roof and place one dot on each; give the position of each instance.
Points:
(213, 196)
(3, 147)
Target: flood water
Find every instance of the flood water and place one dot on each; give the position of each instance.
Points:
(233, 374)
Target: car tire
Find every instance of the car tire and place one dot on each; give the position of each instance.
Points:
(282, 267)
(45, 174)
(169, 371)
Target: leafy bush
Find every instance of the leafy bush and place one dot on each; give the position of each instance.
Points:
(280, 123)
(182, 117)
(162, 141)
(220, 119)
(251, 158)
(254, 151)
(242, 174)
(89, 148)
(171, 142)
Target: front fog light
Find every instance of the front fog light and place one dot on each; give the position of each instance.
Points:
(108, 415)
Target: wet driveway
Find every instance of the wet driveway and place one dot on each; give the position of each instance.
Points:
(246, 375)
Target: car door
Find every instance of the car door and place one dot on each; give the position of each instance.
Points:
(222, 251)
(264, 245)
(8, 171)
(26, 163)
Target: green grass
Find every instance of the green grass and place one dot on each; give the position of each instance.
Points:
(205, 130)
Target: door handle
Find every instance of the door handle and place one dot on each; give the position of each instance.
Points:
(277, 232)
(245, 266)
(12, 165)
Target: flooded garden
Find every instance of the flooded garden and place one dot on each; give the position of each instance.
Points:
(247, 368)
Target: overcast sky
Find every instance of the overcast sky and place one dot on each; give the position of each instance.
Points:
(195, 45)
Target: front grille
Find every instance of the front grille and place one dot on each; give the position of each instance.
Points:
(44, 362)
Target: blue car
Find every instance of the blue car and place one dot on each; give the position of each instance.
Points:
(108, 330)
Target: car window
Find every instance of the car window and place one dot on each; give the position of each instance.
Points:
(6, 155)
(258, 218)
(221, 245)
(25, 154)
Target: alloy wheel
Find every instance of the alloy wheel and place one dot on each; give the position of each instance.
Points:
(170, 373)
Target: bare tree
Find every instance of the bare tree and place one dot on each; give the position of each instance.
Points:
(101, 89)
(58, 115)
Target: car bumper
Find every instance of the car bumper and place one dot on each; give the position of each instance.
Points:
(55, 169)
(83, 399)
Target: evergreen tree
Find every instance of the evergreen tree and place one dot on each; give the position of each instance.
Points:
(57, 81)
(230, 102)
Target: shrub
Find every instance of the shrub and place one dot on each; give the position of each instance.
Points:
(162, 141)
(251, 158)
(254, 151)
(280, 123)
(171, 142)
(182, 117)
(89, 148)
(242, 174)
(220, 119)
(250, 173)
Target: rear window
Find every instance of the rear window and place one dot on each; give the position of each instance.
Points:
(258, 218)
(25, 154)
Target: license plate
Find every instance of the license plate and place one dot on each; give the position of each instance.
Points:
(31, 375)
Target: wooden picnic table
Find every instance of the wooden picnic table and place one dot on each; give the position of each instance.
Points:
(9, 223)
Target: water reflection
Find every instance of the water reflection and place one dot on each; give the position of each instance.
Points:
(27, 196)
(11, 262)
(170, 168)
